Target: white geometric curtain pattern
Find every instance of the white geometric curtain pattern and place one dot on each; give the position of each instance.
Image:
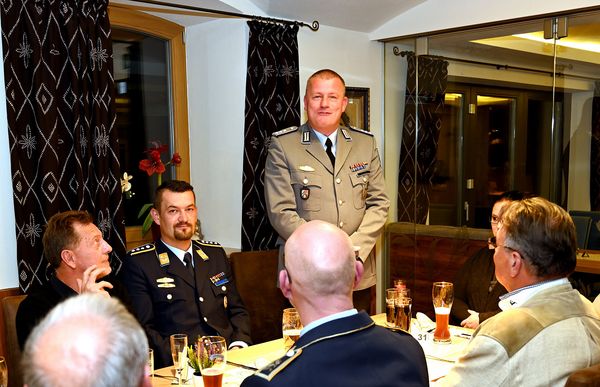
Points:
(414, 177)
(61, 116)
(272, 103)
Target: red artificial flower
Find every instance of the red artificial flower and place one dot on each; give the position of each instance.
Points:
(176, 160)
(152, 167)
(154, 155)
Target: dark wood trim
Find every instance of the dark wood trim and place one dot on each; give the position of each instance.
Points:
(5, 293)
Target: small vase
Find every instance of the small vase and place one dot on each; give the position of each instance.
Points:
(198, 379)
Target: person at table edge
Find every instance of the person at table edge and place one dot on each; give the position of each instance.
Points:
(546, 329)
(79, 258)
(338, 345)
(168, 296)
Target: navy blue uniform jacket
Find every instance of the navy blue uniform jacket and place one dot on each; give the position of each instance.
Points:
(167, 300)
(350, 352)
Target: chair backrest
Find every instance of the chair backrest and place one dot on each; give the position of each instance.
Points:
(583, 225)
(586, 377)
(423, 254)
(255, 274)
(594, 236)
(10, 305)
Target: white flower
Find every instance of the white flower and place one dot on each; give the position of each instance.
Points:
(125, 184)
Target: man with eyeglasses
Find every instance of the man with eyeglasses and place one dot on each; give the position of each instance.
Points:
(476, 289)
(546, 329)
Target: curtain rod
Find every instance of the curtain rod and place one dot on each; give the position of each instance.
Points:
(314, 26)
(498, 66)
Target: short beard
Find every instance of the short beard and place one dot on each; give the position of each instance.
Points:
(183, 235)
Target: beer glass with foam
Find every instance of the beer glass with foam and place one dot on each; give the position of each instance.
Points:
(212, 356)
(443, 296)
(291, 327)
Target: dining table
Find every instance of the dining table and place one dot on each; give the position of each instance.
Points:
(243, 362)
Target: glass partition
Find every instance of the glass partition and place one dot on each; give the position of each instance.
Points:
(516, 114)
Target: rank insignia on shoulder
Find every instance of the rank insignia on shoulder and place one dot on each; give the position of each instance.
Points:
(268, 372)
(285, 131)
(163, 259)
(142, 249)
(362, 131)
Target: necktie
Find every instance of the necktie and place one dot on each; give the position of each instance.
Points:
(187, 258)
(329, 144)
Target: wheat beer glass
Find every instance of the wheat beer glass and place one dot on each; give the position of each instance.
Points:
(212, 356)
(442, 295)
(291, 327)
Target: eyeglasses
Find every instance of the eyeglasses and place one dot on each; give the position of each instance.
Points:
(494, 219)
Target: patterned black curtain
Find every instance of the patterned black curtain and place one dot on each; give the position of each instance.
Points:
(272, 103)
(595, 153)
(414, 181)
(61, 116)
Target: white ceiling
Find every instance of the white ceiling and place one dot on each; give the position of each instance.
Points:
(357, 15)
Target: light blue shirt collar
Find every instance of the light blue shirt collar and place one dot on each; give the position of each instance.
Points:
(180, 253)
(322, 138)
(518, 297)
(321, 321)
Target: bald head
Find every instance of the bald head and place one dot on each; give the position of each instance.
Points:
(320, 260)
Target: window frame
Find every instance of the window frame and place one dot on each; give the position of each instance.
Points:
(173, 33)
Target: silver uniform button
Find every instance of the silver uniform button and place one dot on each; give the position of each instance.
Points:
(224, 288)
(338, 180)
(365, 179)
(205, 319)
(340, 202)
(201, 299)
(169, 296)
(305, 181)
(341, 224)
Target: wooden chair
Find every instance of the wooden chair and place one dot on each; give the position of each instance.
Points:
(255, 274)
(10, 305)
(585, 377)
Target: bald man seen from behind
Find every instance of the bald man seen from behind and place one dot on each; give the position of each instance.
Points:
(338, 346)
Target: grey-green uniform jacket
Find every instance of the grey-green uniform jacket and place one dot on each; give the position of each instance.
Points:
(301, 185)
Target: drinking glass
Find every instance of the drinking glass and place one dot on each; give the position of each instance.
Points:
(212, 355)
(3, 372)
(151, 361)
(443, 296)
(403, 312)
(179, 342)
(391, 295)
(291, 327)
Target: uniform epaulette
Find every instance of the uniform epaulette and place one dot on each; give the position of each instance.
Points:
(142, 249)
(361, 131)
(268, 372)
(281, 132)
(207, 243)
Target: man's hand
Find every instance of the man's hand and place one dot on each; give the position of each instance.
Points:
(472, 321)
(88, 283)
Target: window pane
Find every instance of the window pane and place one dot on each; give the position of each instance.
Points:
(143, 101)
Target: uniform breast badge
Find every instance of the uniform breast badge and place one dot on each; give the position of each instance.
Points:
(365, 189)
(163, 259)
(305, 191)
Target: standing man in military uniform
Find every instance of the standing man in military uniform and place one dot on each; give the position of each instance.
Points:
(331, 173)
(178, 285)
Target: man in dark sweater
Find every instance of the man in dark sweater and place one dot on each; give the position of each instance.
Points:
(75, 249)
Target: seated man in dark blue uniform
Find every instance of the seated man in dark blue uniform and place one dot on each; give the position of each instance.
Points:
(177, 285)
(338, 345)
